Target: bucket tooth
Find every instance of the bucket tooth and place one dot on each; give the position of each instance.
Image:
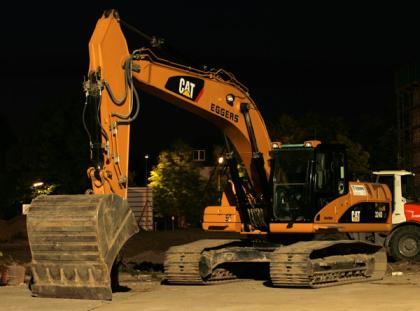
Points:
(74, 240)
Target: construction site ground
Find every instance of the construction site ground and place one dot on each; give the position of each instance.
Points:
(141, 276)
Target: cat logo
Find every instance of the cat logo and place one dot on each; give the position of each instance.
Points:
(189, 87)
(186, 88)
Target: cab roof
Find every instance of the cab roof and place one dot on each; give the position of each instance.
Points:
(392, 173)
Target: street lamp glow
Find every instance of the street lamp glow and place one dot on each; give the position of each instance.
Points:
(146, 157)
(220, 160)
(37, 184)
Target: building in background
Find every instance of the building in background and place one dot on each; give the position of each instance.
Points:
(140, 200)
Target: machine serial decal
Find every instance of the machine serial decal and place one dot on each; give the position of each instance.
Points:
(379, 214)
(224, 113)
(189, 87)
(355, 216)
(358, 190)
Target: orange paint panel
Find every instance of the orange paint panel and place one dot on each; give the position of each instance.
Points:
(222, 218)
(296, 228)
(365, 227)
(107, 52)
(211, 105)
(232, 227)
(333, 227)
(358, 192)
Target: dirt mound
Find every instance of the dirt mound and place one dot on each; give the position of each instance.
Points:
(13, 229)
(404, 266)
(14, 241)
(151, 246)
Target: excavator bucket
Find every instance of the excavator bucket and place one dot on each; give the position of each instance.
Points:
(74, 240)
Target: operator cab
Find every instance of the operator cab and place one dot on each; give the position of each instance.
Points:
(305, 178)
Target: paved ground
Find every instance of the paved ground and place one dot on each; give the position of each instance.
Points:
(393, 293)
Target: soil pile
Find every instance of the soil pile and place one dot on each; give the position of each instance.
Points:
(143, 249)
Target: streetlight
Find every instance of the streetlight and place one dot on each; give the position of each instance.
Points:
(37, 184)
(220, 160)
(146, 157)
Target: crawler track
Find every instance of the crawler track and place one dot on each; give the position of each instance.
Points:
(326, 263)
(303, 264)
(182, 263)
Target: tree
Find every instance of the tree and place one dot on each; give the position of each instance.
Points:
(288, 130)
(6, 187)
(55, 152)
(357, 158)
(177, 187)
(379, 135)
(327, 129)
(291, 130)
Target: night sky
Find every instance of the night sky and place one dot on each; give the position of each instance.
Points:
(337, 60)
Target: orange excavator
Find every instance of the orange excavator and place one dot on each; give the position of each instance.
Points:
(286, 194)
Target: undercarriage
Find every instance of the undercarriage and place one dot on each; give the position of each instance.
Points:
(302, 264)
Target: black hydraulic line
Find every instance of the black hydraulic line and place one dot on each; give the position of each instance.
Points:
(128, 79)
(92, 121)
(96, 143)
(257, 161)
(241, 199)
(227, 144)
(159, 44)
(98, 116)
(250, 212)
(93, 126)
(136, 113)
(127, 82)
(244, 206)
(249, 127)
(153, 40)
(85, 126)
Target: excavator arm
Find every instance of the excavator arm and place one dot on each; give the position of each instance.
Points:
(214, 95)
